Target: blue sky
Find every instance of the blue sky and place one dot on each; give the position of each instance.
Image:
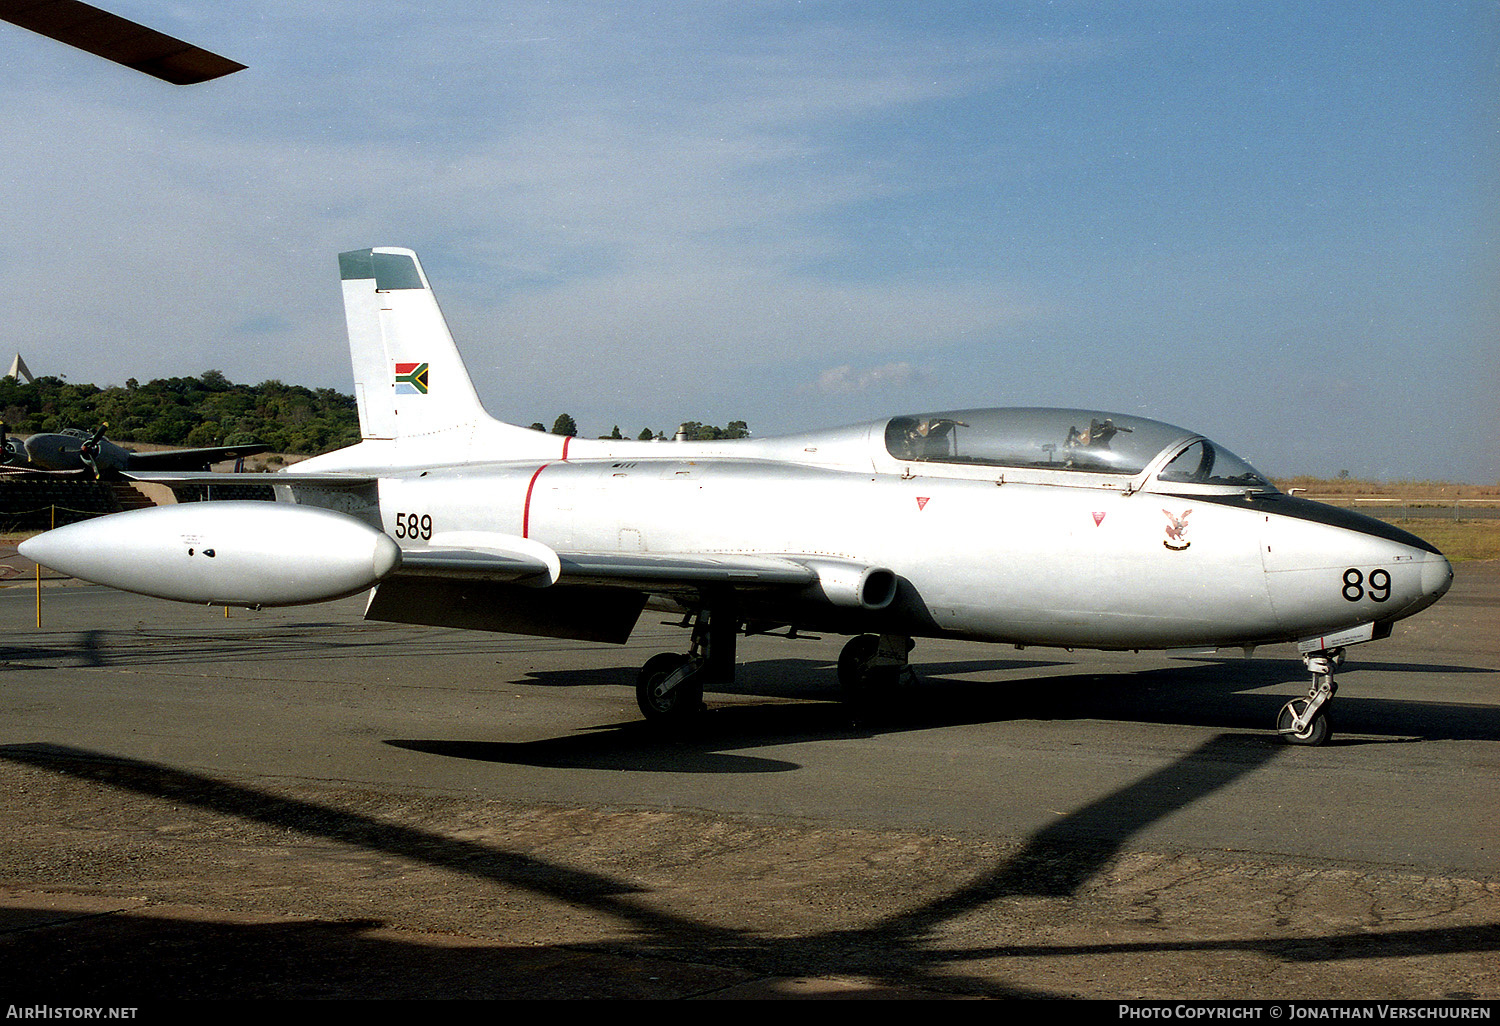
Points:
(1278, 224)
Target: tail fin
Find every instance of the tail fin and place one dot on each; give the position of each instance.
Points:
(409, 379)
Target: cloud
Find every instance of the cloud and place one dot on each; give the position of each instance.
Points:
(846, 378)
(701, 205)
(629, 194)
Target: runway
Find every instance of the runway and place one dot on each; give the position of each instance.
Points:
(297, 803)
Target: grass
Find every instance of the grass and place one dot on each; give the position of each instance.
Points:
(1439, 493)
(1459, 540)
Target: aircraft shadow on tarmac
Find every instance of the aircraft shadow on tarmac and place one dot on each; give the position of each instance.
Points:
(1224, 694)
(166, 646)
(1202, 691)
(903, 949)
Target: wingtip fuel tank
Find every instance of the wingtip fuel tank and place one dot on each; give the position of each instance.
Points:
(223, 553)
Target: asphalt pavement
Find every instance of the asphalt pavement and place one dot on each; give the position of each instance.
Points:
(299, 804)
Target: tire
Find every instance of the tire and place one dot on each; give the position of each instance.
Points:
(861, 683)
(1318, 731)
(855, 654)
(682, 701)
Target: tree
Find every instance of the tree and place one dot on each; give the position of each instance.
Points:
(206, 433)
(694, 431)
(646, 435)
(564, 425)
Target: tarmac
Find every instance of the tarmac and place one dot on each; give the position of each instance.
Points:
(175, 850)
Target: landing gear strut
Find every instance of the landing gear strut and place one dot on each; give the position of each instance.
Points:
(669, 689)
(1304, 721)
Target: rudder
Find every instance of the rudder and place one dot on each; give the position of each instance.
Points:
(409, 378)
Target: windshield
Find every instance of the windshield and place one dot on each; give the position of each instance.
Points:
(1060, 439)
(1203, 462)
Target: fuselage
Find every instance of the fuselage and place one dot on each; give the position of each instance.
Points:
(1131, 555)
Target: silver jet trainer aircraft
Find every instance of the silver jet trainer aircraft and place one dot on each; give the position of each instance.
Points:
(1057, 527)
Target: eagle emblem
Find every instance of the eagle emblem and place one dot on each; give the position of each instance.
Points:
(1177, 527)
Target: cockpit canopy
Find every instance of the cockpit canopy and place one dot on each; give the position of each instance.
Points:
(1066, 440)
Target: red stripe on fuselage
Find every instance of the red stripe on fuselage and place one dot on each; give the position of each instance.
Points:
(526, 509)
(566, 440)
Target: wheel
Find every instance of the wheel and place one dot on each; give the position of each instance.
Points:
(1316, 733)
(858, 679)
(683, 700)
(852, 660)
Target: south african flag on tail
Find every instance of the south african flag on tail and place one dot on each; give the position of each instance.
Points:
(411, 379)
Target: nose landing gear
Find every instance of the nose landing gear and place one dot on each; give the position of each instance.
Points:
(1304, 721)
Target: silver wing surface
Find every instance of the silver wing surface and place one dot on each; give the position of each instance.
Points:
(590, 596)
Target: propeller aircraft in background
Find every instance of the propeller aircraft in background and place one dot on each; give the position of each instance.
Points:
(80, 452)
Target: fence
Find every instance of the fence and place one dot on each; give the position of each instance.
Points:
(41, 504)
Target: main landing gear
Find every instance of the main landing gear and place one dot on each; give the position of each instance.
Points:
(871, 666)
(1304, 721)
(669, 689)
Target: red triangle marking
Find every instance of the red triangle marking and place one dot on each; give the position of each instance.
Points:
(922, 501)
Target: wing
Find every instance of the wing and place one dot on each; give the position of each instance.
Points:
(274, 553)
(495, 582)
(191, 459)
(529, 563)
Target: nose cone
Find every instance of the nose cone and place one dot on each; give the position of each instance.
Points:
(1331, 569)
(1437, 578)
